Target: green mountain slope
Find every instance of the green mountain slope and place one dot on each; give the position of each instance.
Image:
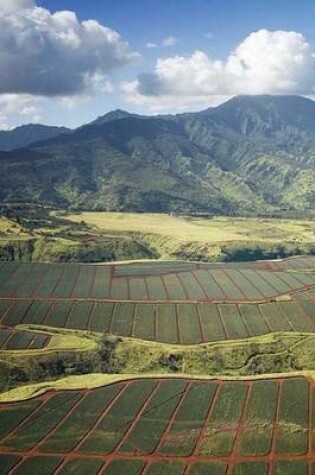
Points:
(28, 134)
(251, 154)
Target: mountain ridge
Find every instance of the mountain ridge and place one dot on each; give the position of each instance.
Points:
(252, 154)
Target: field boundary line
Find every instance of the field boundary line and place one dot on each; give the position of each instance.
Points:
(204, 427)
(182, 285)
(58, 280)
(178, 330)
(165, 288)
(146, 289)
(88, 323)
(241, 423)
(223, 322)
(11, 332)
(263, 297)
(11, 274)
(31, 341)
(197, 305)
(310, 424)
(92, 282)
(39, 282)
(19, 282)
(137, 418)
(205, 299)
(76, 448)
(208, 299)
(134, 320)
(44, 401)
(65, 325)
(249, 333)
(263, 316)
(286, 317)
(292, 275)
(111, 279)
(7, 311)
(78, 269)
(128, 288)
(17, 465)
(277, 293)
(272, 452)
(225, 297)
(47, 314)
(172, 417)
(300, 306)
(111, 318)
(59, 423)
(241, 291)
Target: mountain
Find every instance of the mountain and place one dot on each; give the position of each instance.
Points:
(253, 154)
(26, 135)
(113, 115)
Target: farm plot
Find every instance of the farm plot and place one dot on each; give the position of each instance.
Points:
(101, 282)
(100, 317)
(233, 322)
(163, 426)
(293, 417)
(11, 339)
(170, 281)
(190, 330)
(145, 321)
(65, 285)
(21, 340)
(183, 323)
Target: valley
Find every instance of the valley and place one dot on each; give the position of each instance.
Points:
(157, 293)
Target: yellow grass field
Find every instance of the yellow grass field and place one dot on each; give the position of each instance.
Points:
(186, 229)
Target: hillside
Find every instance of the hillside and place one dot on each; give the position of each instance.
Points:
(253, 154)
(28, 134)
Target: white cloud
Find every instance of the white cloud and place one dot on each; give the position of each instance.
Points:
(279, 62)
(23, 106)
(170, 41)
(14, 5)
(54, 54)
(150, 45)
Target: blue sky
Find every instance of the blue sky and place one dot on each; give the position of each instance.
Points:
(169, 56)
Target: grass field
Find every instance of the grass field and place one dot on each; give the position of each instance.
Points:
(186, 229)
(163, 426)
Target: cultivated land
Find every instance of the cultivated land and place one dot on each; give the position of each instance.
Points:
(164, 426)
(158, 319)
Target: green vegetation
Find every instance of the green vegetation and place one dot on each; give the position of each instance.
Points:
(34, 233)
(204, 163)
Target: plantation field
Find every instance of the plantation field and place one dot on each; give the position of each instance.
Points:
(189, 323)
(164, 426)
(11, 339)
(159, 281)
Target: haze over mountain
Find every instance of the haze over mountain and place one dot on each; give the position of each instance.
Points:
(27, 134)
(250, 154)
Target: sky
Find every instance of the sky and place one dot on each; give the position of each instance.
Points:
(68, 62)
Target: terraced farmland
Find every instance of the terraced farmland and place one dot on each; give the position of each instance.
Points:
(189, 323)
(158, 281)
(164, 426)
(11, 339)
